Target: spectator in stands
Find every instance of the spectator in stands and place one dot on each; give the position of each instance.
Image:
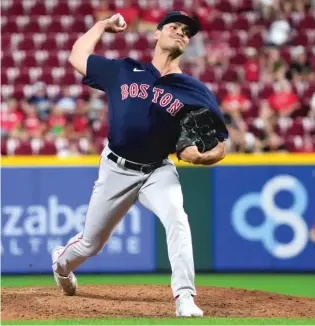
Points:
(130, 13)
(11, 118)
(205, 14)
(95, 104)
(66, 103)
(100, 126)
(218, 53)
(280, 31)
(274, 143)
(33, 127)
(275, 66)
(268, 8)
(232, 106)
(289, 6)
(311, 113)
(56, 123)
(284, 101)
(252, 65)
(196, 52)
(78, 125)
(308, 145)
(103, 11)
(300, 67)
(41, 101)
(70, 150)
(150, 17)
(234, 103)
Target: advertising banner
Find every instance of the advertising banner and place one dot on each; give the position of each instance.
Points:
(263, 218)
(43, 207)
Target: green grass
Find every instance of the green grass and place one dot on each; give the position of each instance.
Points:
(291, 284)
(178, 321)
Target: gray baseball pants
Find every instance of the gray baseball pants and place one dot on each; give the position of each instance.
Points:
(114, 192)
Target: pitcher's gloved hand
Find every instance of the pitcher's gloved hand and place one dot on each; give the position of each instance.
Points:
(197, 128)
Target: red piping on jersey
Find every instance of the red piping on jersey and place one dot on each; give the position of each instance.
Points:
(70, 244)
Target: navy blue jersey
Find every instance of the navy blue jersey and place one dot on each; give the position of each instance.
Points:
(144, 108)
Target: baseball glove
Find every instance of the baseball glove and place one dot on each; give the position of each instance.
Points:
(197, 128)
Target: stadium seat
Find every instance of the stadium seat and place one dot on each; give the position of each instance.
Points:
(265, 91)
(10, 28)
(255, 40)
(217, 24)
(38, 9)
(241, 23)
(308, 22)
(300, 39)
(62, 8)
(230, 76)
(85, 8)
(23, 148)
(224, 6)
(15, 10)
(4, 150)
(48, 148)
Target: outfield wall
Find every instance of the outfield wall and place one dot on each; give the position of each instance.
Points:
(248, 213)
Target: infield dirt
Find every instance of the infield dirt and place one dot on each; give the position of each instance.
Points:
(127, 301)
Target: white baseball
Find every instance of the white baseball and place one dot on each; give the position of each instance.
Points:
(119, 19)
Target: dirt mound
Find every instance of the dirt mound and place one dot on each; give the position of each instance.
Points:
(99, 301)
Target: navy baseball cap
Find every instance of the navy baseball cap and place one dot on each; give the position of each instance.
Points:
(180, 17)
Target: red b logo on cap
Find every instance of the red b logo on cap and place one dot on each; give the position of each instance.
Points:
(183, 13)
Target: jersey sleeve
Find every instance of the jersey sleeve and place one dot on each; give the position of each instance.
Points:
(101, 72)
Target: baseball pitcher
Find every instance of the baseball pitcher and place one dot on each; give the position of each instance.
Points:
(155, 109)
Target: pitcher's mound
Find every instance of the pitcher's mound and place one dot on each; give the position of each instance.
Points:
(99, 301)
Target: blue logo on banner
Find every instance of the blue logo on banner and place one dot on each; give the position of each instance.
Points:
(45, 207)
(263, 218)
(274, 216)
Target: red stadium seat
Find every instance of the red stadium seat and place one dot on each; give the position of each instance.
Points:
(7, 61)
(217, 24)
(224, 6)
(32, 27)
(85, 8)
(24, 148)
(22, 78)
(308, 22)
(265, 91)
(235, 41)
(142, 43)
(15, 10)
(29, 60)
(296, 129)
(26, 44)
(208, 76)
(10, 28)
(55, 26)
(4, 149)
(68, 79)
(61, 8)
(48, 148)
(255, 40)
(294, 143)
(245, 5)
(5, 42)
(300, 39)
(38, 9)
(241, 23)
(230, 76)
(238, 59)
(4, 78)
